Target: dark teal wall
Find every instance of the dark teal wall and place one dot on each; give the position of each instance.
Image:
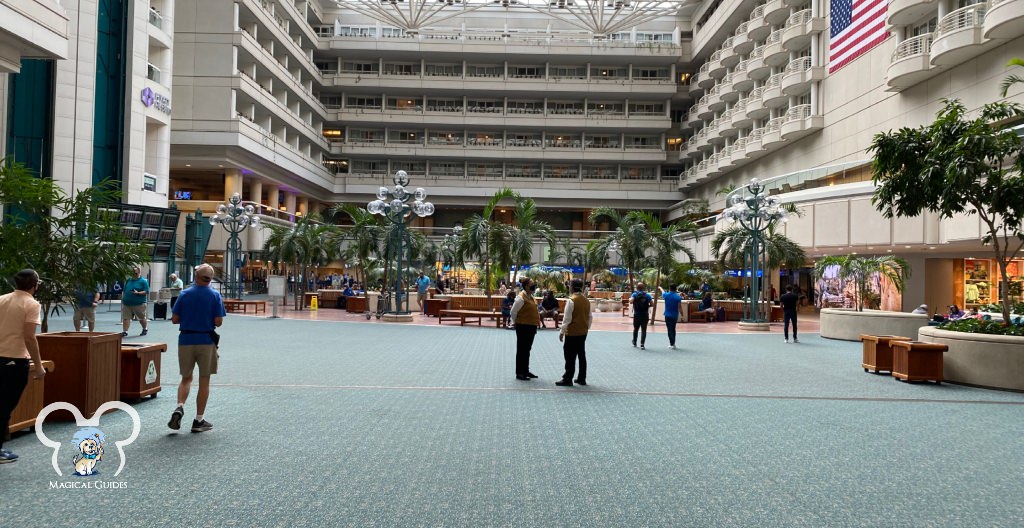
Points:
(30, 118)
(111, 64)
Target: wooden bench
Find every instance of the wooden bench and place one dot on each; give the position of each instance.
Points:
(238, 305)
(463, 315)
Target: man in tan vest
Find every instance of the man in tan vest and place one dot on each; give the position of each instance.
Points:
(527, 319)
(575, 326)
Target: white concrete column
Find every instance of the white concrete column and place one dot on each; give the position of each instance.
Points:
(232, 182)
(256, 191)
(303, 206)
(273, 197)
(289, 202)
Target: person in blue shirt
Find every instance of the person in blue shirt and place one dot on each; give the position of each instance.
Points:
(672, 300)
(199, 311)
(641, 301)
(133, 302)
(86, 300)
(422, 284)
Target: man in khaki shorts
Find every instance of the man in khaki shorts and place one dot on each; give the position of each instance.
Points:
(199, 311)
(133, 302)
(86, 300)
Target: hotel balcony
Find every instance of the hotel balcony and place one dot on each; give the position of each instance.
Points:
(774, 53)
(498, 149)
(771, 139)
(714, 139)
(753, 147)
(741, 43)
(729, 55)
(703, 109)
(756, 108)
(757, 27)
(756, 67)
(959, 36)
(798, 122)
(800, 26)
(715, 67)
(776, 11)
(725, 128)
(704, 78)
(158, 36)
(425, 82)
(741, 82)
(800, 75)
(252, 92)
(693, 120)
(725, 158)
(1005, 19)
(907, 12)
(728, 92)
(910, 63)
(505, 117)
(715, 103)
(714, 166)
(772, 95)
(740, 119)
(739, 152)
(705, 133)
(557, 46)
(696, 89)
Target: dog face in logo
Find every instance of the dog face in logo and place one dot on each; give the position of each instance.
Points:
(89, 442)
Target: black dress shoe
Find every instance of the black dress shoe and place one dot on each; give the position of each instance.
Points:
(564, 383)
(531, 375)
(580, 382)
(524, 378)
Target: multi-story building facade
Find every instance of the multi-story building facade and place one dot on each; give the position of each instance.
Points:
(90, 101)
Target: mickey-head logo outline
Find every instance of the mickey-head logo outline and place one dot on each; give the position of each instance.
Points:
(80, 421)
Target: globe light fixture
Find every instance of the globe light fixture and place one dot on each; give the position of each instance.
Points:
(234, 218)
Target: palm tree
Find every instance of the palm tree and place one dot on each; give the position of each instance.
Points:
(482, 238)
(594, 257)
(306, 243)
(730, 246)
(526, 230)
(1011, 80)
(861, 269)
(364, 239)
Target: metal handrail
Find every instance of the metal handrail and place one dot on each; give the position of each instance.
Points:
(798, 18)
(963, 18)
(798, 113)
(798, 65)
(757, 13)
(919, 45)
(774, 37)
(774, 81)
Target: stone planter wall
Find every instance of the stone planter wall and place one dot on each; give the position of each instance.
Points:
(848, 325)
(980, 359)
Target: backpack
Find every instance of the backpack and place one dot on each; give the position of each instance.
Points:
(641, 303)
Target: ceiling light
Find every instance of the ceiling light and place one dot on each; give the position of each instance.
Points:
(888, 251)
(933, 247)
(908, 247)
(188, 164)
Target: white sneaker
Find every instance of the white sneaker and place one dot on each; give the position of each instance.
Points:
(787, 340)
(795, 340)
(673, 347)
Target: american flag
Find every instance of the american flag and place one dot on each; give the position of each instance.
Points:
(856, 27)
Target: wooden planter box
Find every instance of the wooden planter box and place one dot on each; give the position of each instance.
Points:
(89, 373)
(917, 361)
(878, 352)
(31, 402)
(434, 306)
(140, 369)
(354, 304)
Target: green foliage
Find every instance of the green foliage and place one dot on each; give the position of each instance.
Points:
(1017, 308)
(66, 239)
(303, 245)
(1012, 79)
(861, 269)
(730, 246)
(982, 326)
(958, 165)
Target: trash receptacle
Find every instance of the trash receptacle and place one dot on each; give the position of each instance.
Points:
(140, 369)
(88, 373)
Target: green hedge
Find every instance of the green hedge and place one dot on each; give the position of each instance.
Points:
(980, 326)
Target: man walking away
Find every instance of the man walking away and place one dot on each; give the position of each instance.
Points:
(527, 319)
(19, 316)
(641, 313)
(789, 301)
(199, 311)
(672, 300)
(86, 300)
(422, 285)
(575, 326)
(133, 302)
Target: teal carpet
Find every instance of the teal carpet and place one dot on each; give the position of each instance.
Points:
(347, 424)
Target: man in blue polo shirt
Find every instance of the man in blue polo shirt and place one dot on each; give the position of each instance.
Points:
(422, 285)
(672, 300)
(199, 311)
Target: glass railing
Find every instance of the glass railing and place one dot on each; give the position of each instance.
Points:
(153, 73)
(155, 19)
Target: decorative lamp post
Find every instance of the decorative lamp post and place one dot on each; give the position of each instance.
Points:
(451, 244)
(235, 218)
(756, 212)
(396, 211)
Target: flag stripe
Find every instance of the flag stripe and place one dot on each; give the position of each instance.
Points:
(856, 27)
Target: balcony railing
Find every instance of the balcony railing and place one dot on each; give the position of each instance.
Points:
(741, 29)
(757, 13)
(963, 18)
(155, 19)
(919, 45)
(798, 65)
(798, 18)
(774, 37)
(797, 113)
(153, 73)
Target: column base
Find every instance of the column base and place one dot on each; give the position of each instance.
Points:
(397, 318)
(753, 326)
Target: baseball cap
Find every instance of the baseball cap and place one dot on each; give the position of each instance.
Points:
(204, 270)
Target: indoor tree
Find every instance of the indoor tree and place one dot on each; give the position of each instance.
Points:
(67, 240)
(525, 231)
(958, 165)
(484, 238)
(304, 244)
(860, 270)
(730, 246)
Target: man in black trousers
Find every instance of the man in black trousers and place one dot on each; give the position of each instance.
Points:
(575, 326)
(789, 301)
(527, 319)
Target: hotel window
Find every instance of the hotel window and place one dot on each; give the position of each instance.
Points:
(485, 70)
(568, 72)
(357, 31)
(401, 69)
(363, 102)
(485, 170)
(563, 172)
(414, 168)
(649, 73)
(369, 167)
(331, 101)
(360, 67)
(444, 70)
(526, 72)
(444, 105)
(526, 107)
(599, 108)
(647, 109)
(597, 72)
(445, 137)
(392, 32)
(412, 104)
(565, 108)
(445, 168)
(601, 172)
(925, 28)
(484, 106)
(640, 173)
(405, 137)
(366, 136)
